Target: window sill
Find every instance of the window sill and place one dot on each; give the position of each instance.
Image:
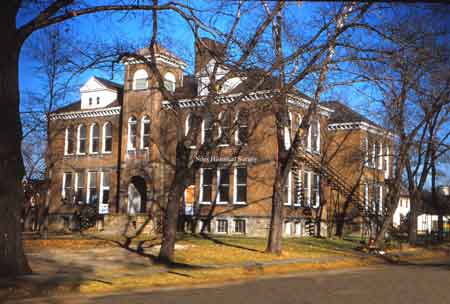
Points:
(204, 203)
(222, 203)
(107, 152)
(239, 203)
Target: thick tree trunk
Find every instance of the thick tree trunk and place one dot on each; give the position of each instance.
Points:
(170, 222)
(412, 221)
(276, 219)
(13, 261)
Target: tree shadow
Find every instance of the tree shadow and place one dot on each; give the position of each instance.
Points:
(224, 243)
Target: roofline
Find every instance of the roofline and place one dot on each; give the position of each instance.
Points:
(86, 113)
(362, 125)
(161, 57)
(252, 96)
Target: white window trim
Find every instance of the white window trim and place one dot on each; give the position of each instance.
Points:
(314, 176)
(104, 138)
(219, 199)
(289, 189)
(78, 140)
(380, 157)
(220, 130)
(217, 225)
(102, 187)
(374, 159)
(88, 188)
(66, 142)
(170, 77)
(386, 172)
(91, 138)
(135, 78)
(287, 224)
(308, 194)
(235, 202)
(63, 190)
(234, 225)
(130, 121)
(309, 144)
(141, 141)
(288, 133)
(201, 189)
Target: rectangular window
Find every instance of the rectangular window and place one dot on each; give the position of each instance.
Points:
(206, 179)
(223, 178)
(225, 129)
(222, 226)
(240, 187)
(386, 162)
(288, 190)
(105, 181)
(239, 226)
(140, 84)
(92, 196)
(69, 141)
(315, 191)
(67, 191)
(146, 134)
(80, 187)
(287, 228)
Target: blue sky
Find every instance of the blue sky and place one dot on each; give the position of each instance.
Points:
(113, 27)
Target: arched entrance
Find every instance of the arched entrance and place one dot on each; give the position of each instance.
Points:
(137, 195)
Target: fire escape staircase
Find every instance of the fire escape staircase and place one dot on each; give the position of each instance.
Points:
(334, 178)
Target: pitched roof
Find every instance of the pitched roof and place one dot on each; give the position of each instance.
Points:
(109, 83)
(344, 114)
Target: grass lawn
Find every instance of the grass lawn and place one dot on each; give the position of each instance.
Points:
(229, 250)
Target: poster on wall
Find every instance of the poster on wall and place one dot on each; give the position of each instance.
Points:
(103, 209)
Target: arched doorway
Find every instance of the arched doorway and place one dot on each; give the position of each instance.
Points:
(137, 195)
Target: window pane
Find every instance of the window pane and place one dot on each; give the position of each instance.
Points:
(207, 193)
(108, 144)
(241, 193)
(207, 176)
(241, 175)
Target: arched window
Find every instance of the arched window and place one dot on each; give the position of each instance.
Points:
(132, 133)
(366, 152)
(224, 128)
(98, 100)
(242, 127)
(386, 162)
(95, 139)
(90, 101)
(68, 142)
(140, 80)
(207, 129)
(145, 133)
(107, 137)
(81, 142)
(169, 82)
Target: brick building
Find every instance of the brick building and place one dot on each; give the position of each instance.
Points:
(115, 149)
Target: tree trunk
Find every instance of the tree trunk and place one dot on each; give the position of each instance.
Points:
(412, 221)
(170, 222)
(13, 261)
(276, 218)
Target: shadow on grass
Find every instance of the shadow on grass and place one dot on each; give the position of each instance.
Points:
(225, 243)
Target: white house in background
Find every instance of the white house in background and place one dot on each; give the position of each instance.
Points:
(404, 205)
(427, 223)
